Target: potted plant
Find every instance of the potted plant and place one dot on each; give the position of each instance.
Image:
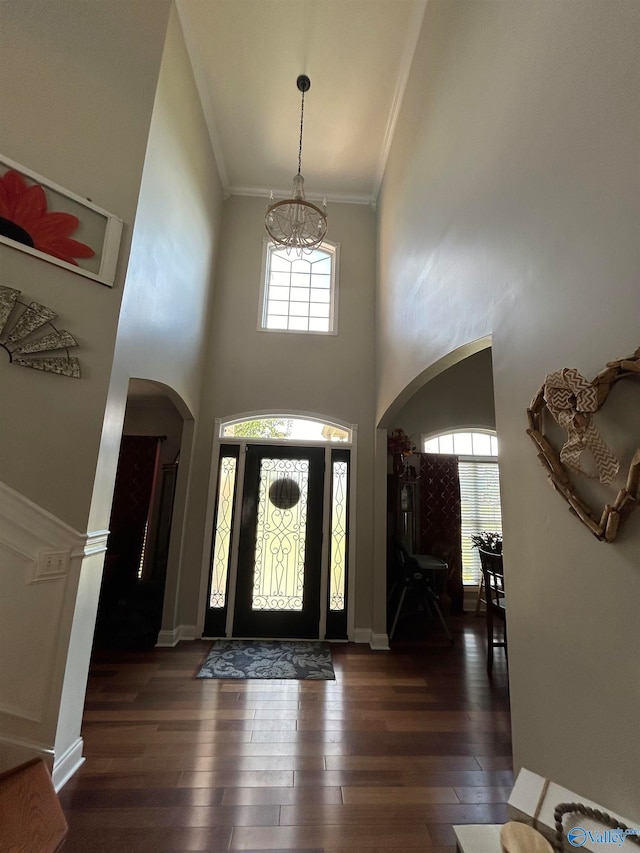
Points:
(399, 447)
(488, 540)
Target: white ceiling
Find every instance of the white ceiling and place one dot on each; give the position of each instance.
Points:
(247, 55)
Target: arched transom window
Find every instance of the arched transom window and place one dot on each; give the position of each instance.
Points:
(463, 443)
(286, 428)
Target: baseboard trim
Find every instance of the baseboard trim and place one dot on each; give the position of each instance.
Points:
(167, 639)
(65, 766)
(379, 642)
(170, 639)
(362, 635)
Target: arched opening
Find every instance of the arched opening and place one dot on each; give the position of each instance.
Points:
(444, 489)
(428, 375)
(140, 562)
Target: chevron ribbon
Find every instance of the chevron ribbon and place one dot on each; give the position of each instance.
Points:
(572, 400)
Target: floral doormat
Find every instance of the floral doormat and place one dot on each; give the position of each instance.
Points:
(273, 659)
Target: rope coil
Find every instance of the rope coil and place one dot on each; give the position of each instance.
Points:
(580, 808)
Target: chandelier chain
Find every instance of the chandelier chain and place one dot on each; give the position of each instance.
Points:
(301, 124)
(295, 223)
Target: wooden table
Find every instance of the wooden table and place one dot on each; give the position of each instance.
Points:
(478, 838)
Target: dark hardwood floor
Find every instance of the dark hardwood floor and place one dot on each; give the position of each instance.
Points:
(386, 758)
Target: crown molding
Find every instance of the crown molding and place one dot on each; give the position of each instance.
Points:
(334, 198)
(197, 65)
(415, 27)
(204, 94)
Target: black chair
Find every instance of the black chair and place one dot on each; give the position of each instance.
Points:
(410, 577)
(495, 602)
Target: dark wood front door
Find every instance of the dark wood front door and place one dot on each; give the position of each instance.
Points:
(279, 556)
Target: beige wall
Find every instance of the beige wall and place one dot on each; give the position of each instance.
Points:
(461, 396)
(162, 328)
(93, 132)
(510, 208)
(166, 304)
(78, 85)
(331, 375)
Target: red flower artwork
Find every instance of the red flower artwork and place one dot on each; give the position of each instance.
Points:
(24, 218)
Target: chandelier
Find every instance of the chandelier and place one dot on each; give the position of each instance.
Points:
(296, 223)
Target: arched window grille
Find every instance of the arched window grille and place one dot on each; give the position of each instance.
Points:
(477, 453)
(286, 428)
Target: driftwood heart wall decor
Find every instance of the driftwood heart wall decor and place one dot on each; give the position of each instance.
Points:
(572, 401)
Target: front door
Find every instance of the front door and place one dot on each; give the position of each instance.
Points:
(280, 547)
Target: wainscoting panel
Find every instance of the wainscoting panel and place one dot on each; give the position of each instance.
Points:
(40, 561)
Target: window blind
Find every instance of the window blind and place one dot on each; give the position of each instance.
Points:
(480, 505)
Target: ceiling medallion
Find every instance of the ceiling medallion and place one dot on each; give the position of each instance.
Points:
(19, 323)
(296, 223)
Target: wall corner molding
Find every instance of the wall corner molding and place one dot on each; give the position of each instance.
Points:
(169, 638)
(361, 635)
(379, 642)
(68, 763)
(95, 542)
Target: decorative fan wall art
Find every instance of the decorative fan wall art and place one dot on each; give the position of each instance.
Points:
(572, 401)
(21, 325)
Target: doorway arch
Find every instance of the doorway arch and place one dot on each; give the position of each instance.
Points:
(139, 587)
(245, 446)
(436, 374)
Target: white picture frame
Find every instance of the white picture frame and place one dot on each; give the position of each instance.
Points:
(97, 229)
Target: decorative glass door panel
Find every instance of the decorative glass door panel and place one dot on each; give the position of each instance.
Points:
(279, 558)
(281, 536)
(338, 545)
(216, 612)
(222, 538)
(338, 554)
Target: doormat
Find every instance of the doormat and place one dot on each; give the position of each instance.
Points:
(273, 659)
